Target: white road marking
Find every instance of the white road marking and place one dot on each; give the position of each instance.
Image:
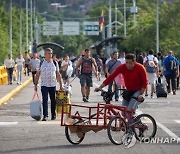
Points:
(8, 123)
(164, 128)
(138, 112)
(152, 103)
(170, 133)
(49, 122)
(178, 121)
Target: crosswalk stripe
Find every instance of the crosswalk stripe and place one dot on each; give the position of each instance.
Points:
(178, 121)
(8, 123)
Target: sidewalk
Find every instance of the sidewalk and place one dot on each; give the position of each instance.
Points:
(9, 91)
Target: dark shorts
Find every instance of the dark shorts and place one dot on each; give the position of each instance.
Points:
(86, 80)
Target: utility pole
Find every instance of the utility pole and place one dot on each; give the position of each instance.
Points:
(124, 18)
(36, 26)
(10, 27)
(157, 26)
(110, 21)
(27, 45)
(20, 29)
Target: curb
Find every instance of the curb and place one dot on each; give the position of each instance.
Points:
(14, 92)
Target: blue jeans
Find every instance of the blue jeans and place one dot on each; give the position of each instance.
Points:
(19, 70)
(132, 104)
(51, 91)
(116, 92)
(171, 81)
(10, 72)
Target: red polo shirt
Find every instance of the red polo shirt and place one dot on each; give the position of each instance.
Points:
(134, 79)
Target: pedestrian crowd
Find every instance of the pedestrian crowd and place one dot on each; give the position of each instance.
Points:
(123, 72)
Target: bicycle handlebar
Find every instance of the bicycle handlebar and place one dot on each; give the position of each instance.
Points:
(107, 96)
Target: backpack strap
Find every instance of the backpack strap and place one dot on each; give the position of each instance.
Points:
(55, 63)
(41, 62)
(112, 66)
(152, 60)
(147, 58)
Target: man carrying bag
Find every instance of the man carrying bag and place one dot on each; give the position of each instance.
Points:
(49, 73)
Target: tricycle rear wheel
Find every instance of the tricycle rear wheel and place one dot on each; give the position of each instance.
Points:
(72, 137)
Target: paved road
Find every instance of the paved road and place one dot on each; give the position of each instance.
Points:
(19, 133)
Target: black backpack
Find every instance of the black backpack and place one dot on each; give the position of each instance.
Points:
(171, 65)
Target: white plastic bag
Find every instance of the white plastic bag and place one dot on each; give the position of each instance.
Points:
(35, 108)
(15, 77)
(69, 71)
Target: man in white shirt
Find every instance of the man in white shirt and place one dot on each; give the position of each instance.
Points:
(66, 70)
(151, 64)
(20, 67)
(9, 64)
(122, 58)
(49, 72)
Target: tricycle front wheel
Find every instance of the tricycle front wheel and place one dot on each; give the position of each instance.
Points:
(73, 137)
(145, 127)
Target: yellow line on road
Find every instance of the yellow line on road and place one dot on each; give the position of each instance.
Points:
(14, 92)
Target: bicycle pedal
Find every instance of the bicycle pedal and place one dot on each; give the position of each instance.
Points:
(129, 140)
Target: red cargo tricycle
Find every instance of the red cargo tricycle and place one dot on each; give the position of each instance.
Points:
(80, 119)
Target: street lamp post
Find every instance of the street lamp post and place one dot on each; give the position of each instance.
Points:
(20, 29)
(125, 18)
(110, 20)
(36, 31)
(34, 11)
(31, 26)
(10, 27)
(157, 26)
(115, 17)
(134, 13)
(27, 26)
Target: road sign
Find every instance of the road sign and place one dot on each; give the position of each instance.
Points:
(133, 9)
(70, 28)
(51, 28)
(91, 28)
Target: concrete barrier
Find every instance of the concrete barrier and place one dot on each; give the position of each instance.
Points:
(3, 75)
